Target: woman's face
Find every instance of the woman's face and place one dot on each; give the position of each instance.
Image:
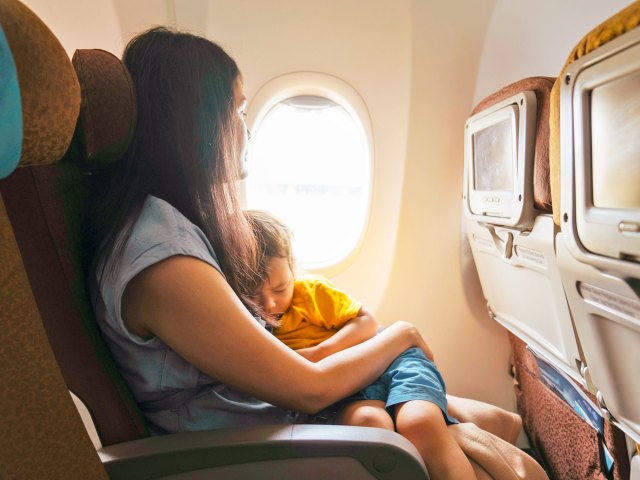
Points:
(240, 104)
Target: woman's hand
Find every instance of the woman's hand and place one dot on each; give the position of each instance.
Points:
(414, 336)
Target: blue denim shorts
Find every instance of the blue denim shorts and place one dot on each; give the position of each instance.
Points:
(411, 376)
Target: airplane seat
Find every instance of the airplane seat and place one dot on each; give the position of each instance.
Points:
(104, 128)
(45, 205)
(596, 172)
(49, 344)
(507, 206)
(42, 434)
(508, 210)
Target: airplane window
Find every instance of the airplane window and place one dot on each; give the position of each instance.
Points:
(309, 164)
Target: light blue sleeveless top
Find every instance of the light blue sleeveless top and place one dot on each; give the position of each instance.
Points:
(174, 395)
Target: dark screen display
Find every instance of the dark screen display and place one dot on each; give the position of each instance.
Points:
(615, 143)
(493, 157)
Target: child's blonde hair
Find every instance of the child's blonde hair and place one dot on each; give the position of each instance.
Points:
(273, 239)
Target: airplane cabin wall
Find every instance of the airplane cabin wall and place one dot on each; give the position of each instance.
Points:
(535, 38)
(106, 25)
(425, 283)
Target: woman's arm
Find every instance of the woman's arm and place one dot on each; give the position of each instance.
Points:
(355, 331)
(189, 305)
(360, 328)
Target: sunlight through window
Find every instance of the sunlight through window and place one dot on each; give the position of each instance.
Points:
(309, 164)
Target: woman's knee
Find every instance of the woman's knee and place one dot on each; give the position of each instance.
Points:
(366, 413)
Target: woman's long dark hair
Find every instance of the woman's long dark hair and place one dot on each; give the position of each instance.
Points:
(185, 150)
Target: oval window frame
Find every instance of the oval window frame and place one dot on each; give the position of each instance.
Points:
(329, 86)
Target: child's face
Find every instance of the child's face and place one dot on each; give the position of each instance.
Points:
(276, 293)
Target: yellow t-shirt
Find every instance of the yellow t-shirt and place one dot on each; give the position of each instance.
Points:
(318, 311)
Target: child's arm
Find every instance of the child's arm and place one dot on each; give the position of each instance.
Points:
(360, 328)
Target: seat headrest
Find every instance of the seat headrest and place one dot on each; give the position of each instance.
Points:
(108, 109)
(10, 111)
(541, 86)
(620, 23)
(49, 89)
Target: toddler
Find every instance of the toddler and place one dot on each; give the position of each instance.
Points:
(316, 319)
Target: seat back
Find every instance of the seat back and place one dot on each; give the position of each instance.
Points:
(507, 160)
(42, 433)
(597, 164)
(44, 205)
(515, 254)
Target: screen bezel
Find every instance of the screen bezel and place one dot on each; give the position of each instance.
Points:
(599, 229)
(509, 208)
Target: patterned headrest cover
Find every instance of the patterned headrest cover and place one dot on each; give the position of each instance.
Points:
(541, 86)
(620, 23)
(48, 85)
(108, 109)
(10, 111)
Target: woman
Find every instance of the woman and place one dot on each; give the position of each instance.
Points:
(171, 245)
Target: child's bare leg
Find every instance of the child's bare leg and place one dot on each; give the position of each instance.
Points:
(502, 423)
(365, 413)
(423, 424)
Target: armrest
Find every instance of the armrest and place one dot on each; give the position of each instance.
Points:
(268, 452)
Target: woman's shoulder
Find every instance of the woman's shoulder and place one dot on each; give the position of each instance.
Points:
(160, 222)
(158, 217)
(162, 231)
